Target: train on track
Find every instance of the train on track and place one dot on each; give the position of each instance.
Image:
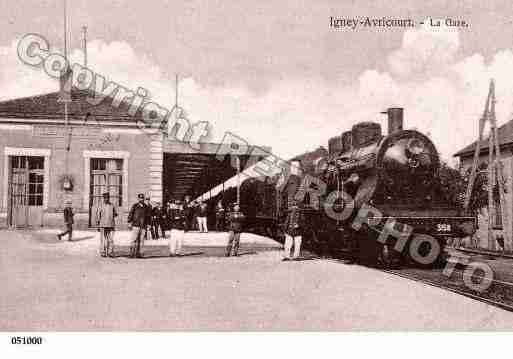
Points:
(257, 202)
(375, 197)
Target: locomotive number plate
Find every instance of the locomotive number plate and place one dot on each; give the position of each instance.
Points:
(443, 227)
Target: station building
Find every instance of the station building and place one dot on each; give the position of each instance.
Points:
(466, 155)
(45, 161)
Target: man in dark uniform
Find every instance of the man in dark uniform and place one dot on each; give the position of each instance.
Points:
(293, 228)
(138, 219)
(158, 215)
(188, 213)
(68, 221)
(220, 217)
(236, 218)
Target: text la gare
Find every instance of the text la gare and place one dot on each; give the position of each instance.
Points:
(448, 22)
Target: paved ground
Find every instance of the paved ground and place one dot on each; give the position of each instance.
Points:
(51, 285)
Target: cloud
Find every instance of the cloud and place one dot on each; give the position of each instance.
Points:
(426, 50)
(19, 80)
(442, 94)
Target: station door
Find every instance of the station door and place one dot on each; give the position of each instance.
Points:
(26, 181)
(106, 176)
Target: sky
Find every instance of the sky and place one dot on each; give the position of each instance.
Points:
(275, 72)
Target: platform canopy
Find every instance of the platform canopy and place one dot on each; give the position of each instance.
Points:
(189, 171)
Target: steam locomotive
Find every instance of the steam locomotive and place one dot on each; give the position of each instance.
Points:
(383, 201)
(374, 197)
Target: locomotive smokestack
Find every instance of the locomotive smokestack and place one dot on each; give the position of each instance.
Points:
(395, 119)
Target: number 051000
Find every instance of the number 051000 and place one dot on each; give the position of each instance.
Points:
(26, 340)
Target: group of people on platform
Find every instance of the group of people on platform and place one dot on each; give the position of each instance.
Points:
(178, 217)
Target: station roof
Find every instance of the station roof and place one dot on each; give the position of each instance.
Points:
(187, 170)
(48, 106)
(505, 139)
(194, 172)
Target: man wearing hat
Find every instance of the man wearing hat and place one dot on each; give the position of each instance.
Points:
(236, 219)
(178, 224)
(293, 228)
(202, 217)
(188, 210)
(105, 221)
(138, 219)
(68, 221)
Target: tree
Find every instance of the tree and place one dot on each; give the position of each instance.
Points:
(453, 186)
(479, 194)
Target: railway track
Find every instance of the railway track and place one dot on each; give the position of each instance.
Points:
(499, 294)
(467, 293)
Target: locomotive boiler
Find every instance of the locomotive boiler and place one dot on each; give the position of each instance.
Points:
(383, 201)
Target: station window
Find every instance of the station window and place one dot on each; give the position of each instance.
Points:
(106, 176)
(27, 180)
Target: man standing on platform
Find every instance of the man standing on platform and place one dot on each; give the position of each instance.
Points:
(293, 228)
(220, 217)
(178, 224)
(194, 216)
(188, 213)
(138, 219)
(236, 218)
(171, 205)
(105, 220)
(68, 221)
(202, 217)
(158, 215)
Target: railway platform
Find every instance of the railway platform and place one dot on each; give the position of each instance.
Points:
(62, 286)
(195, 243)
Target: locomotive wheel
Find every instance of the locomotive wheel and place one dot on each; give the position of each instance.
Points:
(425, 253)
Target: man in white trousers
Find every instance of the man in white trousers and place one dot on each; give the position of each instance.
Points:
(293, 228)
(178, 226)
(202, 217)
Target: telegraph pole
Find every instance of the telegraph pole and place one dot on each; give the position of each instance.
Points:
(494, 169)
(84, 39)
(65, 97)
(238, 179)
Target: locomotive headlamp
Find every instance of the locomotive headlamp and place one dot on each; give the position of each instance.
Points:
(414, 163)
(415, 146)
